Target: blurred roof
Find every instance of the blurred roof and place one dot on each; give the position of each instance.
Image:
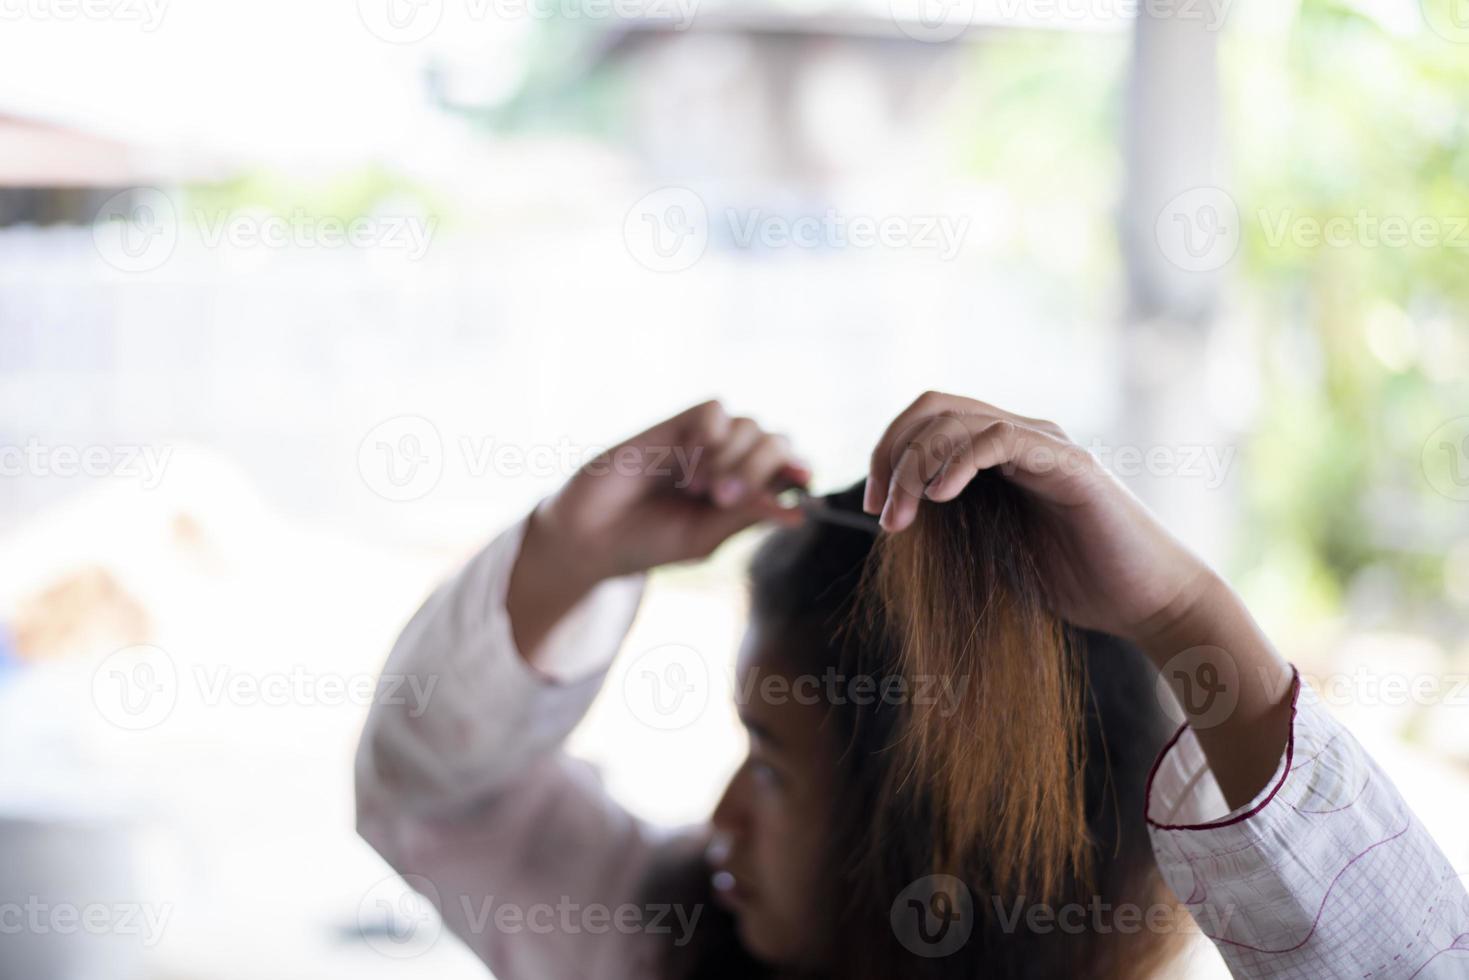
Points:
(42, 154)
(852, 23)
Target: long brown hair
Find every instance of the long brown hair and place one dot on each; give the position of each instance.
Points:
(960, 596)
(1027, 791)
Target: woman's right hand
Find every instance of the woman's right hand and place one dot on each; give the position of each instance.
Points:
(672, 493)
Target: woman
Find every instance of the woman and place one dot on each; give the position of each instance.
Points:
(882, 836)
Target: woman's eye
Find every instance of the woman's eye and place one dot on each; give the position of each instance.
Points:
(764, 773)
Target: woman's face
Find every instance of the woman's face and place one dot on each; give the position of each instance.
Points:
(767, 856)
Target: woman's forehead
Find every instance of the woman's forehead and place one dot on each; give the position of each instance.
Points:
(776, 696)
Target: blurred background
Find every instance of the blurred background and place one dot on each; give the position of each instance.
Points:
(300, 303)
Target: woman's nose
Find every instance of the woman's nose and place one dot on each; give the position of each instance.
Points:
(729, 816)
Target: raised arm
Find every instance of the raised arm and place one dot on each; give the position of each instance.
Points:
(461, 784)
(462, 787)
(1293, 851)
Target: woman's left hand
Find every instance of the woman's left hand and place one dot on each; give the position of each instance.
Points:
(1110, 564)
(1113, 566)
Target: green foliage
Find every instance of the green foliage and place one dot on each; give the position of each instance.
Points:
(1335, 116)
(344, 196)
(1040, 117)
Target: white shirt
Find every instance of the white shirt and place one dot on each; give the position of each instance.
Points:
(1325, 875)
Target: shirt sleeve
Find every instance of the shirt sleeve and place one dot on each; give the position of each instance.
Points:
(1325, 874)
(462, 787)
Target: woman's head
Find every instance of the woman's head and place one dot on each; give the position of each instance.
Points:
(918, 720)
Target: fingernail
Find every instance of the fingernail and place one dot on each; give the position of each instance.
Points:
(885, 520)
(869, 498)
(728, 491)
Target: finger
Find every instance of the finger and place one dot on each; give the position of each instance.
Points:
(1051, 467)
(756, 472)
(902, 431)
(685, 438)
(725, 522)
(880, 470)
(720, 462)
(704, 423)
(936, 446)
(795, 473)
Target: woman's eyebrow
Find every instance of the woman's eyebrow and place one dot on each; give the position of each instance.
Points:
(759, 731)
